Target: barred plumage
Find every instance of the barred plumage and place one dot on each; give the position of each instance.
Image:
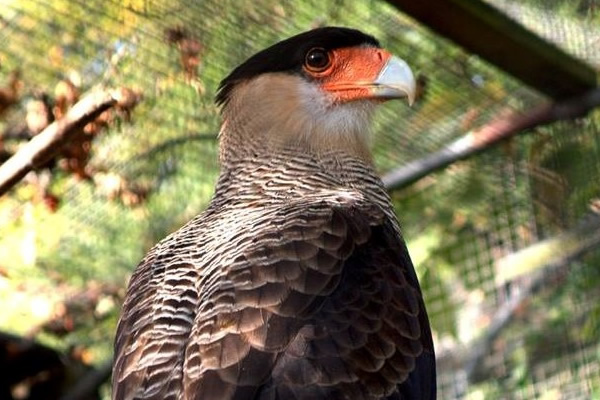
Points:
(293, 284)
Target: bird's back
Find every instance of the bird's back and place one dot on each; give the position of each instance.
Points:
(297, 286)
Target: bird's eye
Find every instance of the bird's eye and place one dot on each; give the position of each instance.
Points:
(317, 60)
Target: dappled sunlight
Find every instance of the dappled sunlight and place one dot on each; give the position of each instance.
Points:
(504, 237)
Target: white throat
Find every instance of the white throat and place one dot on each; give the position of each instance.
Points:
(282, 110)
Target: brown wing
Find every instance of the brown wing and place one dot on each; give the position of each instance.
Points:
(154, 327)
(314, 300)
(323, 303)
(371, 338)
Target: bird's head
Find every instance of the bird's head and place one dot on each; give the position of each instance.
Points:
(316, 91)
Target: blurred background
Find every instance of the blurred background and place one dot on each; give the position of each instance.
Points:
(505, 240)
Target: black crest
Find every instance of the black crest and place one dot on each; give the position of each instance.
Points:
(288, 55)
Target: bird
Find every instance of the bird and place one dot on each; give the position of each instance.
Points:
(295, 281)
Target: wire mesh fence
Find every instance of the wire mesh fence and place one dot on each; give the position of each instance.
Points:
(505, 243)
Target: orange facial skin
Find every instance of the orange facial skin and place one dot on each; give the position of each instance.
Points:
(352, 72)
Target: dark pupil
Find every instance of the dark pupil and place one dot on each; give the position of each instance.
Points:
(317, 59)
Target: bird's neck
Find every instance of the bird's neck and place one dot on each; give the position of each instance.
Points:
(265, 176)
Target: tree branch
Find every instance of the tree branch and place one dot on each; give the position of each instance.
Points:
(46, 145)
(192, 137)
(467, 358)
(554, 260)
(583, 237)
(501, 128)
(504, 315)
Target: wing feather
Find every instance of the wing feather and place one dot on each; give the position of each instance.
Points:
(155, 325)
(317, 299)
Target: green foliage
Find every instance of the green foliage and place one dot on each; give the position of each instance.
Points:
(456, 222)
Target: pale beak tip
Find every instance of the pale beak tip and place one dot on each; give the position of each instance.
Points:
(396, 80)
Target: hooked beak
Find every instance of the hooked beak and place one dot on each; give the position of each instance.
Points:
(395, 80)
(369, 73)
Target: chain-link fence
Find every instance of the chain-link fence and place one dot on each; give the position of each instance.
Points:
(505, 242)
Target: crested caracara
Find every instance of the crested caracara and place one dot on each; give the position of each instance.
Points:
(295, 282)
